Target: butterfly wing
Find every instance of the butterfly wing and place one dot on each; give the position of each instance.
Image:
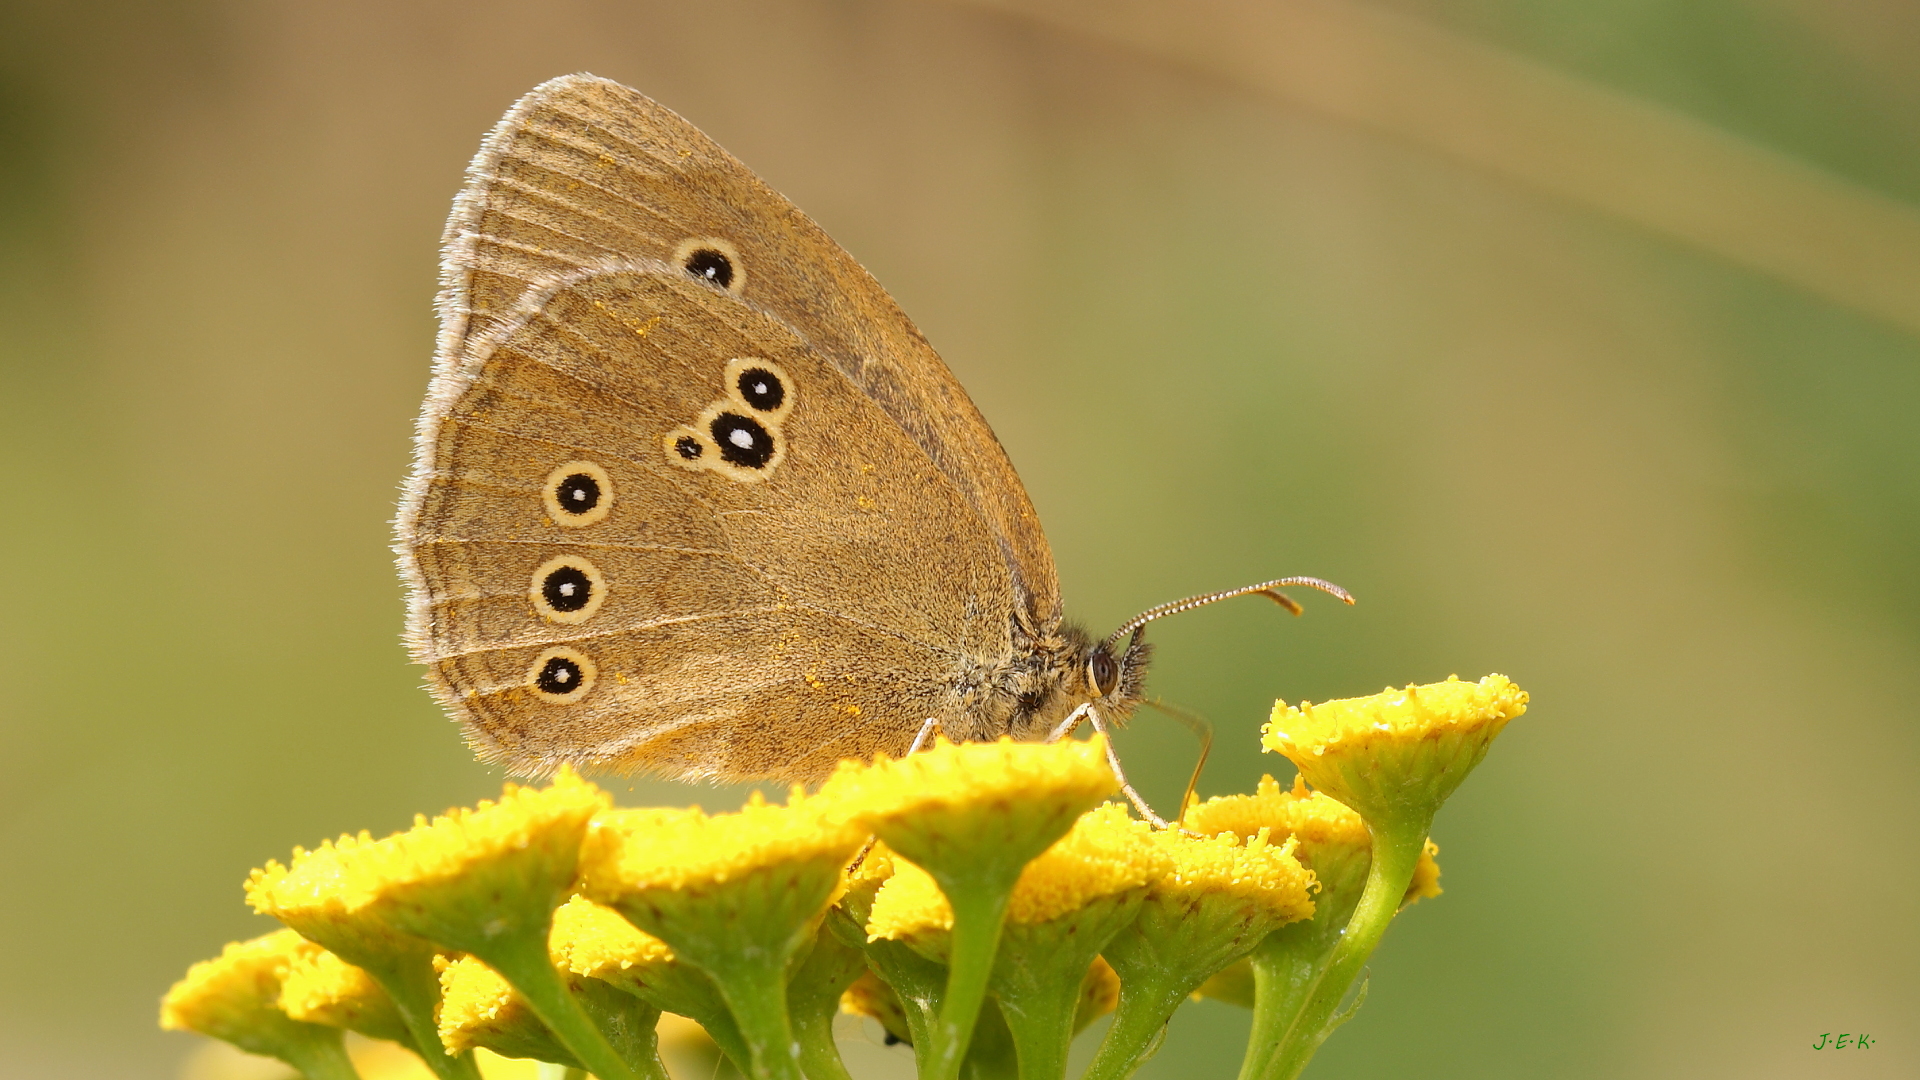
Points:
(652, 527)
(583, 169)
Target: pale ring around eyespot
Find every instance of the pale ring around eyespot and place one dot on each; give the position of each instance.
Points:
(561, 499)
(735, 272)
(763, 386)
(567, 589)
(561, 676)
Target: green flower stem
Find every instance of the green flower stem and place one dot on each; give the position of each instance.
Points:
(990, 1056)
(630, 1024)
(1147, 999)
(917, 982)
(1042, 1028)
(1285, 967)
(523, 960)
(979, 913)
(547, 1070)
(410, 981)
(755, 986)
(691, 992)
(323, 1057)
(1041, 971)
(813, 999)
(1396, 851)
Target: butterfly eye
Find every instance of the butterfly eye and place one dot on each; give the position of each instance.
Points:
(1103, 675)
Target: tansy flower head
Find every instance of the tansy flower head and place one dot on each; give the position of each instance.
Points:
(460, 878)
(1332, 840)
(483, 881)
(1426, 876)
(1068, 903)
(686, 850)
(236, 996)
(735, 895)
(1254, 876)
(1217, 900)
(972, 816)
(1104, 853)
(1395, 756)
(323, 896)
(479, 1009)
(321, 988)
(948, 803)
(594, 942)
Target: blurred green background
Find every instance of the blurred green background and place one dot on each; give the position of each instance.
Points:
(1581, 340)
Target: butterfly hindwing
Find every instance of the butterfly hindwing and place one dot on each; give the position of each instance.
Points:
(762, 608)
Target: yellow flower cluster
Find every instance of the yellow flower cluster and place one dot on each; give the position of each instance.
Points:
(982, 900)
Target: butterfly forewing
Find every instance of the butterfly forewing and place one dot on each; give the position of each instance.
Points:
(583, 170)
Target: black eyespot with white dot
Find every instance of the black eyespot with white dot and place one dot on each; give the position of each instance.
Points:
(577, 493)
(710, 264)
(761, 389)
(742, 440)
(567, 588)
(559, 676)
(688, 447)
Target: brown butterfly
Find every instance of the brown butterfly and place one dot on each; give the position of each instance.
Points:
(692, 496)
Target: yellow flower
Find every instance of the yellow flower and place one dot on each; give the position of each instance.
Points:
(1395, 756)
(460, 880)
(1333, 840)
(321, 988)
(736, 895)
(236, 996)
(483, 881)
(1068, 904)
(972, 815)
(1217, 901)
(479, 1009)
(322, 897)
(1426, 876)
(1255, 879)
(595, 941)
(1104, 853)
(946, 804)
(630, 852)
(591, 941)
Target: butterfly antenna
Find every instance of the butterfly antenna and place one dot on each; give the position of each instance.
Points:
(1268, 589)
(1202, 729)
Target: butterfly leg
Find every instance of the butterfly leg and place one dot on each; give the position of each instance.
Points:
(1113, 762)
(1068, 725)
(927, 731)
